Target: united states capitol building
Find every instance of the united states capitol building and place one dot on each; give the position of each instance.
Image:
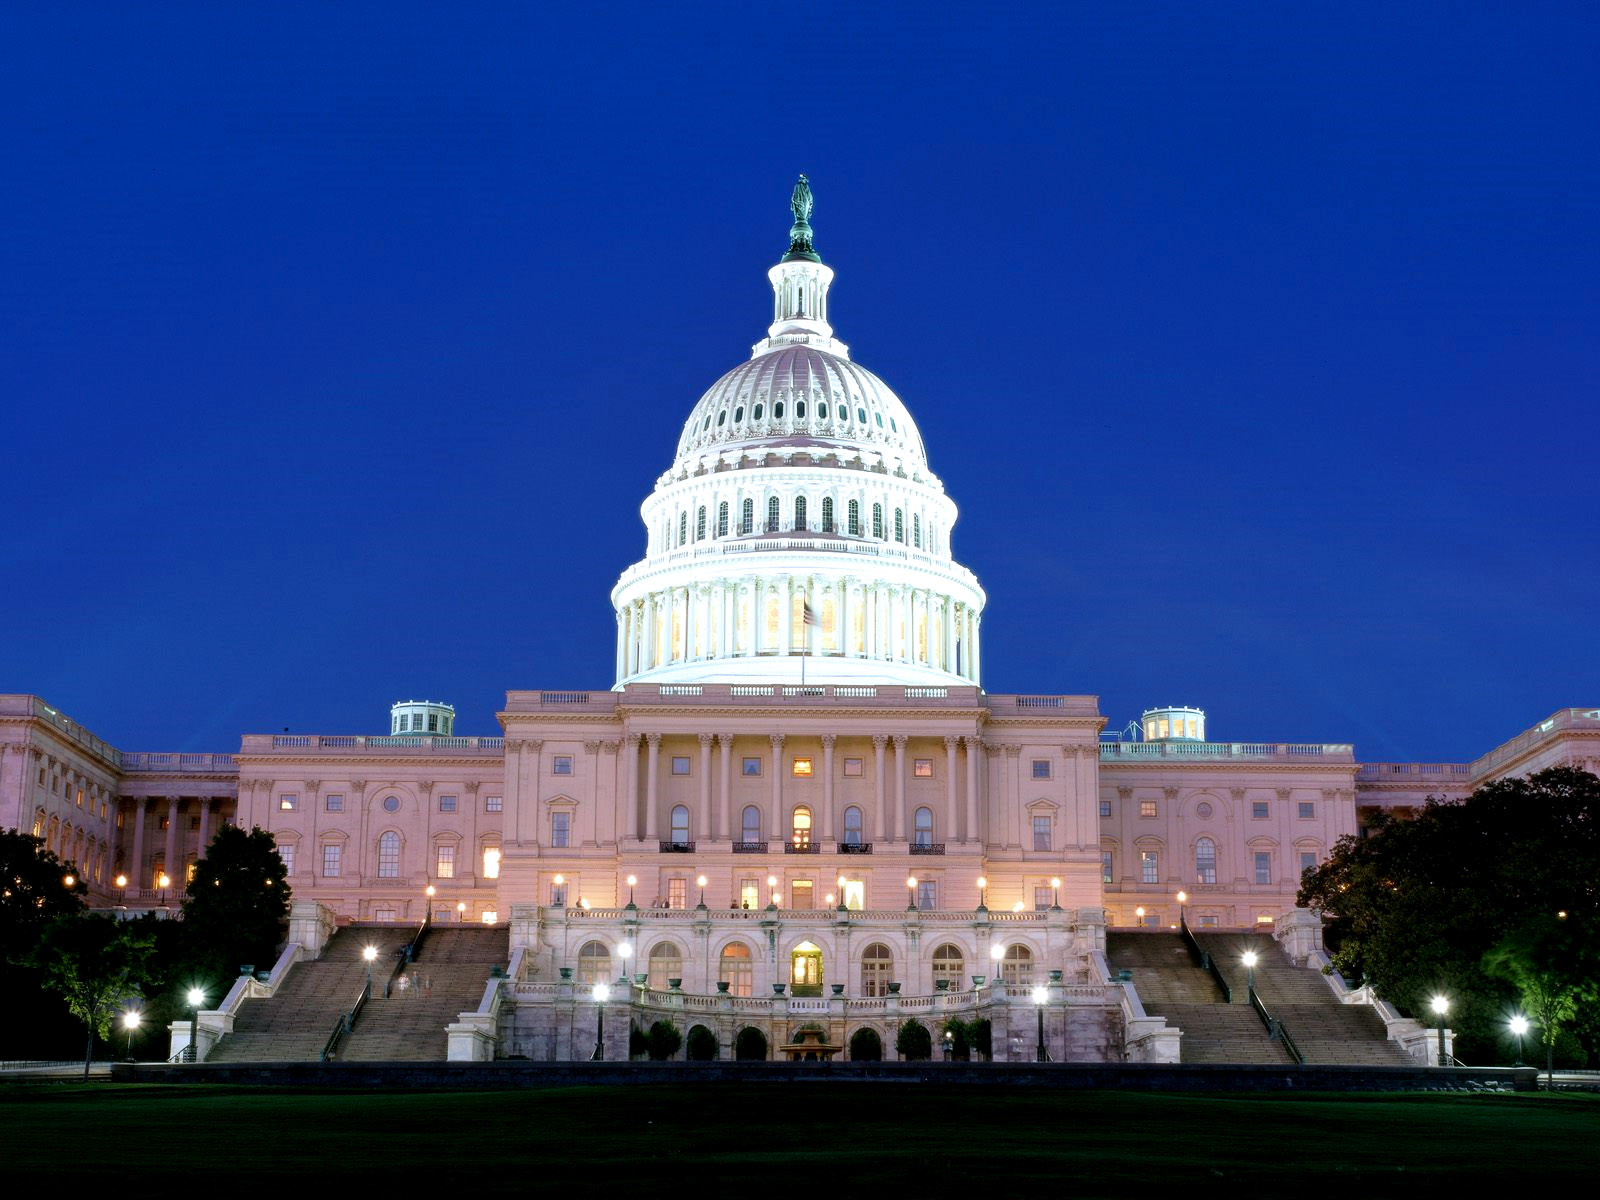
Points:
(796, 804)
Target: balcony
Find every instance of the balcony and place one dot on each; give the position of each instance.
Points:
(854, 847)
(677, 847)
(927, 847)
(801, 848)
(749, 847)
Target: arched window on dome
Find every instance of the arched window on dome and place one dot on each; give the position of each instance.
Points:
(722, 519)
(799, 513)
(756, 415)
(822, 410)
(738, 414)
(777, 411)
(827, 514)
(772, 515)
(877, 521)
(853, 515)
(861, 415)
(1205, 861)
(683, 528)
(916, 530)
(900, 526)
(722, 418)
(799, 410)
(700, 525)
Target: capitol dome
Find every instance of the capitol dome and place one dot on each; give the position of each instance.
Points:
(799, 535)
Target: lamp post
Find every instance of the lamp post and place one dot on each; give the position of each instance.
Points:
(772, 888)
(1055, 893)
(1138, 915)
(601, 994)
(701, 881)
(911, 893)
(461, 911)
(163, 881)
(559, 900)
(130, 1022)
(841, 882)
(996, 953)
(1519, 1026)
(623, 951)
(196, 999)
(632, 879)
(1041, 994)
(1183, 898)
(949, 1045)
(369, 953)
(1440, 1006)
(1249, 960)
(983, 887)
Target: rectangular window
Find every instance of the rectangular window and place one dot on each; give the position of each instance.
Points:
(1259, 810)
(1041, 768)
(1152, 920)
(1105, 866)
(1147, 808)
(332, 860)
(1263, 861)
(1041, 897)
(561, 764)
(1308, 810)
(751, 766)
(1149, 866)
(383, 914)
(801, 768)
(558, 895)
(491, 862)
(855, 894)
(1308, 861)
(447, 803)
(490, 916)
(445, 862)
(1041, 833)
(334, 802)
(1105, 808)
(1208, 920)
(800, 893)
(677, 892)
(560, 829)
(922, 768)
(852, 768)
(194, 824)
(749, 894)
(493, 803)
(287, 802)
(286, 853)
(680, 764)
(927, 894)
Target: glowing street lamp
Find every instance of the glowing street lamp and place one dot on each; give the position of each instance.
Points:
(369, 953)
(560, 882)
(69, 881)
(623, 951)
(772, 887)
(163, 881)
(701, 881)
(1138, 915)
(130, 1022)
(632, 880)
(841, 881)
(1041, 995)
(1249, 960)
(461, 910)
(911, 889)
(1440, 1006)
(196, 998)
(601, 993)
(1055, 893)
(983, 887)
(996, 953)
(1519, 1026)
(1183, 898)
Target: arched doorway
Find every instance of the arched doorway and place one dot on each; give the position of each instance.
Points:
(805, 970)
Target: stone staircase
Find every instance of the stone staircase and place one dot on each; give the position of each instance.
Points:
(1325, 1030)
(447, 979)
(293, 1025)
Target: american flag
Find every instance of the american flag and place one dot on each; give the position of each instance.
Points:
(808, 615)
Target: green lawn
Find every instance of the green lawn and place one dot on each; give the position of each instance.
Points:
(788, 1138)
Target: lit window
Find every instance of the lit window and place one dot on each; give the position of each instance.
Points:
(1147, 808)
(1106, 875)
(750, 824)
(1016, 968)
(877, 966)
(801, 830)
(558, 895)
(1042, 897)
(801, 768)
(1263, 861)
(1149, 866)
(389, 856)
(335, 803)
(561, 764)
(922, 834)
(494, 803)
(852, 768)
(677, 892)
(948, 965)
(447, 803)
(680, 825)
(1105, 808)
(800, 893)
(445, 862)
(1041, 833)
(751, 766)
(1041, 768)
(560, 829)
(332, 860)
(927, 894)
(1308, 810)
(749, 893)
(852, 826)
(666, 963)
(736, 969)
(491, 862)
(1205, 861)
(288, 802)
(1258, 810)
(680, 764)
(922, 768)
(490, 916)
(855, 894)
(594, 964)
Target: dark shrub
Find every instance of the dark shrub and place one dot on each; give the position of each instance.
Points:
(702, 1044)
(664, 1040)
(866, 1046)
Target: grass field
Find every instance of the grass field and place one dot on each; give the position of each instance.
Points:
(832, 1137)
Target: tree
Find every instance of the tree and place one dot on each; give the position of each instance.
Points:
(237, 904)
(1418, 906)
(664, 1040)
(913, 1042)
(34, 890)
(1554, 963)
(702, 1044)
(96, 964)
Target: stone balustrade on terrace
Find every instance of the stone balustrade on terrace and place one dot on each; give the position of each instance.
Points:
(766, 695)
(1036, 918)
(1092, 994)
(1181, 751)
(139, 762)
(1412, 772)
(1586, 720)
(390, 744)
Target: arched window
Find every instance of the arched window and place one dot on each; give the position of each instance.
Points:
(800, 833)
(916, 530)
(800, 410)
(747, 516)
(777, 411)
(750, 824)
(683, 528)
(772, 515)
(853, 515)
(389, 856)
(1205, 861)
(923, 834)
(722, 519)
(735, 969)
(799, 512)
(877, 521)
(852, 826)
(822, 412)
(700, 524)
(1016, 968)
(948, 964)
(827, 514)
(594, 964)
(756, 415)
(666, 962)
(899, 525)
(680, 825)
(877, 966)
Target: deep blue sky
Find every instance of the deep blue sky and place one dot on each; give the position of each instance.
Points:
(1258, 345)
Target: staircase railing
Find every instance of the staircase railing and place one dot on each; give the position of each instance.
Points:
(1202, 958)
(409, 952)
(346, 1021)
(1276, 1029)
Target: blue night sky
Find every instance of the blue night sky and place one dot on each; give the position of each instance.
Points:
(340, 343)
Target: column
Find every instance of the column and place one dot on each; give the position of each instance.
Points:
(974, 751)
(703, 822)
(952, 813)
(758, 615)
(691, 621)
(622, 643)
(170, 859)
(902, 818)
(828, 739)
(205, 823)
(777, 786)
(977, 655)
(878, 834)
(630, 783)
(841, 618)
(947, 622)
(870, 628)
(649, 632)
(786, 616)
(136, 872)
(652, 773)
(725, 792)
(929, 629)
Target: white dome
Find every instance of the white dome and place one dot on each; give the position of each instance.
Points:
(799, 395)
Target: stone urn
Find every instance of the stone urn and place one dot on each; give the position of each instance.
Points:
(566, 973)
(777, 989)
(894, 988)
(722, 987)
(675, 984)
(838, 989)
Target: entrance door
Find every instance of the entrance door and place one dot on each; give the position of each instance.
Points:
(805, 970)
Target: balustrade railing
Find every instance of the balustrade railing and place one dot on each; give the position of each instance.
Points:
(677, 847)
(927, 847)
(749, 847)
(854, 847)
(801, 848)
